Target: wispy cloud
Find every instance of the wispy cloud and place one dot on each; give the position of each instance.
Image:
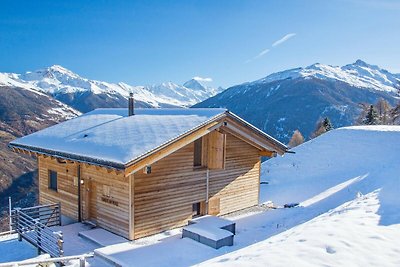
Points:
(262, 53)
(283, 39)
(276, 43)
(201, 79)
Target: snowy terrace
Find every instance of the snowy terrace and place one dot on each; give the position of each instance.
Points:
(347, 183)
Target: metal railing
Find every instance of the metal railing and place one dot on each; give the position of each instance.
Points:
(32, 224)
(60, 260)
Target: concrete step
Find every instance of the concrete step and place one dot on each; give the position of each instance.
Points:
(102, 237)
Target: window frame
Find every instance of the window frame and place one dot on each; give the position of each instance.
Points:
(51, 185)
(196, 210)
(198, 153)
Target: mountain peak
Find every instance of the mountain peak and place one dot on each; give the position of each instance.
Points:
(61, 70)
(194, 84)
(361, 63)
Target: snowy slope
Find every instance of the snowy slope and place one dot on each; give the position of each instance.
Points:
(350, 177)
(82, 93)
(347, 182)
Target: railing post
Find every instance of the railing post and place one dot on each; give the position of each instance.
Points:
(38, 236)
(10, 213)
(17, 211)
(59, 213)
(60, 243)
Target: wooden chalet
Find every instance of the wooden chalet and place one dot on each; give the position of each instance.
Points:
(139, 174)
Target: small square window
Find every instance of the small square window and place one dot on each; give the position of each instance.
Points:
(198, 209)
(53, 180)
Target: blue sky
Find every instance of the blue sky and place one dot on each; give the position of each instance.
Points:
(230, 42)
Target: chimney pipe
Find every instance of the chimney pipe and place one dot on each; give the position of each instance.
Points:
(131, 105)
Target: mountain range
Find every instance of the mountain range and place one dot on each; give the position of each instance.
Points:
(278, 104)
(297, 98)
(85, 95)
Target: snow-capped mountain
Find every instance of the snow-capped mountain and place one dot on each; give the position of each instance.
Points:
(358, 74)
(85, 94)
(295, 99)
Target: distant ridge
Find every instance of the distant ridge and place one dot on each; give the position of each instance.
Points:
(295, 99)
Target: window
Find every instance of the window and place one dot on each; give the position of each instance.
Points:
(52, 180)
(197, 157)
(196, 211)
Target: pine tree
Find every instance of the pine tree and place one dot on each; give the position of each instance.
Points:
(322, 127)
(327, 124)
(297, 139)
(372, 117)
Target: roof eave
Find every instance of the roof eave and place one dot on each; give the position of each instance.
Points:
(281, 147)
(69, 156)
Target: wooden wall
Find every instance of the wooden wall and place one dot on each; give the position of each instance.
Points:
(108, 195)
(112, 214)
(67, 192)
(144, 204)
(164, 198)
(237, 186)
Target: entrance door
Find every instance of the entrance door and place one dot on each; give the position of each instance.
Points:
(87, 189)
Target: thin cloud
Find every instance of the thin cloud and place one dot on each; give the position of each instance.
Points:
(265, 51)
(262, 53)
(283, 39)
(201, 79)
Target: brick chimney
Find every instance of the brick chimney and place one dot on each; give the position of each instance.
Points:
(131, 105)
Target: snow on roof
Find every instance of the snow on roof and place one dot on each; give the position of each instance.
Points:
(111, 136)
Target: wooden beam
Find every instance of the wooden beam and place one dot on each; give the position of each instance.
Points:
(131, 207)
(250, 136)
(169, 149)
(266, 153)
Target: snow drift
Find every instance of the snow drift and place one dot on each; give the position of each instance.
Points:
(347, 182)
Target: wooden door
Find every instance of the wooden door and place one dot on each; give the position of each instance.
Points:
(87, 199)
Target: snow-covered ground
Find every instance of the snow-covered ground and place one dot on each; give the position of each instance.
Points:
(351, 177)
(347, 182)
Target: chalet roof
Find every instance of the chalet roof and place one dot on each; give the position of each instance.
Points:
(110, 137)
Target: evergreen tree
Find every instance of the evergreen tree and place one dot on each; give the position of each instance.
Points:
(327, 124)
(322, 126)
(372, 117)
(297, 139)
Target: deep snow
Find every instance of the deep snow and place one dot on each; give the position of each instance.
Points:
(351, 176)
(347, 182)
(111, 135)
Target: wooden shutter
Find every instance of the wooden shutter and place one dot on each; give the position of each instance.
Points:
(197, 156)
(216, 150)
(213, 206)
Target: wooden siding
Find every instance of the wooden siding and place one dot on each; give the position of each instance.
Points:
(143, 204)
(112, 214)
(236, 186)
(67, 190)
(106, 214)
(164, 198)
